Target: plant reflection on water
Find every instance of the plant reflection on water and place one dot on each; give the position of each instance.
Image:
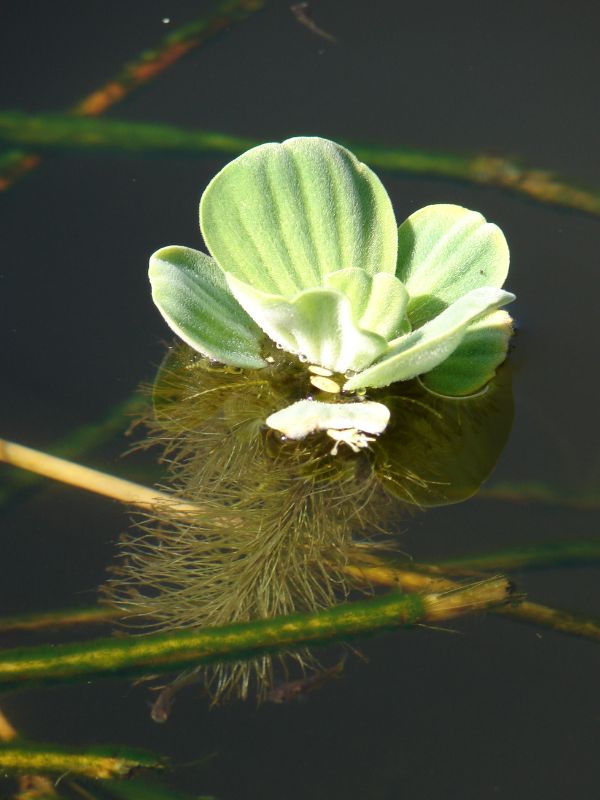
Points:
(278, 520)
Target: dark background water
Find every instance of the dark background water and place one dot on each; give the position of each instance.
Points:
(496, 710)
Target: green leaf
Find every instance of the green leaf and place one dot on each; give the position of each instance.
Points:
(317, 325)
(378, 301)
(307, 416)
(282, 216)
(191, 293)
(420, 351)
(475, 360)
(445, 251)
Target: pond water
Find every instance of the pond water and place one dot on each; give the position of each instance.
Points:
(488, 708)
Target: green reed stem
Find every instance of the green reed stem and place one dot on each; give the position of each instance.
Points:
(584, 498)
(62, 618)
(157, 653)
(55, 131)
(221, 14)
(64, 132)
(383, 573)
(553, 554)
(556, 619)
(557, 554)
(95, 763)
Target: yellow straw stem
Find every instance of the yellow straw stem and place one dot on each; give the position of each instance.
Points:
(59, 469)
(7, 732)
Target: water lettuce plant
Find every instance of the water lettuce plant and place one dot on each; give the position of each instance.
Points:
(287, 417)
(306, 252)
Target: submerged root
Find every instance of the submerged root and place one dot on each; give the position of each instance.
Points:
(274, 523)
(275, 519)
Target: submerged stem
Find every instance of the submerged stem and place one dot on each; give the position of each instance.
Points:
(525, 611)
(554, 618)
(42, 787)
(159, 653)
(62, 618)
(100, 764)
(7, 732)
(15, 164)
(378, 573)
(539, 556)
(63, 131)
(93, 480)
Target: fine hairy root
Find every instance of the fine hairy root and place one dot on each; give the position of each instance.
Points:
(254, 525)
(274, 520)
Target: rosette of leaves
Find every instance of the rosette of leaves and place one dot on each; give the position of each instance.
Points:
(305, 251)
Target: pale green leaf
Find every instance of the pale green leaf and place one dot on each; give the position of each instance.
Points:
(445, 251)
(281, 216)
(191, 293)
(355, 284)
(420, 351)
(378, 301)
(317, 325)
(307, 416)
(475, 360)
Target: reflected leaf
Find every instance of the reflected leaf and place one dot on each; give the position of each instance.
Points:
(449, 446)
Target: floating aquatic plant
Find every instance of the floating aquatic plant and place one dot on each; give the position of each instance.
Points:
(306, 251)
(288, 417)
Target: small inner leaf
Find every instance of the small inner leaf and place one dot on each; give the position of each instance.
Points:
(378, 301)
(191, 293)
(422, 350)
(317, 325)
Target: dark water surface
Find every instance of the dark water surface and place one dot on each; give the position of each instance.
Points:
(499, 710)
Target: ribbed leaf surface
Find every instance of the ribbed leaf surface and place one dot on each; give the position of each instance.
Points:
(317, 324)
(475, 360)
(445, 251)
(422, 350)
(192, 295)
(378, 301)
(282, 216)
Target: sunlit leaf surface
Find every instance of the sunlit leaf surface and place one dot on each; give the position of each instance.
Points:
(282, 216)
(475, 360)
(445, 251)
(420, 351)
(192, 295)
